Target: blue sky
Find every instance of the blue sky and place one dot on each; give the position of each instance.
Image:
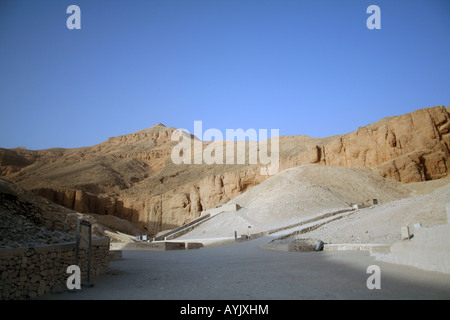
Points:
(307, 67)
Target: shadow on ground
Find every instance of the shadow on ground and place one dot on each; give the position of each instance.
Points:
(243, 271)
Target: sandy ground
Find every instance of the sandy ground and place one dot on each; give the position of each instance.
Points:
(382, 223)
(301, 193)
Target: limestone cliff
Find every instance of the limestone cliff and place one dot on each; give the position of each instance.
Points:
(407, 148)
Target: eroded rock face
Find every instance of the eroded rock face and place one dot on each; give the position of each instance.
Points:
(133, 177)
(184, 204)
(407, 148)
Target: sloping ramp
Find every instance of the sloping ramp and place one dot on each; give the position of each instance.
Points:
(185, 228)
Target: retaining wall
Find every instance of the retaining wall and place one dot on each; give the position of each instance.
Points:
(30, 272)
(429, 249)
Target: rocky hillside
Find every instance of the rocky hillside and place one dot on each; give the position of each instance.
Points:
(134, 178)
(28, 219)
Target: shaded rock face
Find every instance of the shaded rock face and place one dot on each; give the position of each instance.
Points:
(164, 211)
(133, 177)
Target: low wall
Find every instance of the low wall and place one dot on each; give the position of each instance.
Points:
(429, 249)
(30, 272)
(155, 246)
(228, 207)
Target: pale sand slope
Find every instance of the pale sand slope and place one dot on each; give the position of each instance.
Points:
(297, 194)
(382, 224)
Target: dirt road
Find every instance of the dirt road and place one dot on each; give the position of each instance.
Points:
(244, 271)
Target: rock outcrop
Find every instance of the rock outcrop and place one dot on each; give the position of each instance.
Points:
(407, 148)
(133, 177)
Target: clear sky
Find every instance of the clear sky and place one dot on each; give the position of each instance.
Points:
(301, 66)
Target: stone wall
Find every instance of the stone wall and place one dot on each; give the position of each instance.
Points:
(29, 272)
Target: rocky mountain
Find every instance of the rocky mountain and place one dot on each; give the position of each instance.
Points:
(133, 176)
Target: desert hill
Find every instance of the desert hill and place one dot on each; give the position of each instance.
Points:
(300, 193)
(315, 202)
(132, 176)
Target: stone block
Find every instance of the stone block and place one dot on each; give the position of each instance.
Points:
(405, 233)
(380, 249)
(174, 245)
(193, 245)
(447, 207)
